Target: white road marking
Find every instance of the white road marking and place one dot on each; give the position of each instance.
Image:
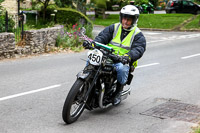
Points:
(152, 64)
(190, 56)
(176, 38)
(29, 92)
(53, 86)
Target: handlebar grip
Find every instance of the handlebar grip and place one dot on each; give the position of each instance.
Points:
(117, 58)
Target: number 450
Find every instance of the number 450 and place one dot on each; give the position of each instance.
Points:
(94, 57)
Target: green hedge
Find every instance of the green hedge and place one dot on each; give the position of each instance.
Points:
(70, 16)
(11, 24)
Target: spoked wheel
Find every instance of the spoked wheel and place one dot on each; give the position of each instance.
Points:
(74, 103)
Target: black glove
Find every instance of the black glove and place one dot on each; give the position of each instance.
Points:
(125, 59)
(86, 44)
(114, 58)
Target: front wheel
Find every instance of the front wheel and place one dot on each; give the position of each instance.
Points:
(74, 103)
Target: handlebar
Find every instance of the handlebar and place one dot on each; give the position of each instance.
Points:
(106, 50)
(117, 58)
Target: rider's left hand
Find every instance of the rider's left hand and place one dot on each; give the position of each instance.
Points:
(125, 59)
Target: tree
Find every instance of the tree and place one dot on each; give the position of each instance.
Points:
(45, 5)
(81, 6)
(154, 2)
(1, 7)
(63, 3)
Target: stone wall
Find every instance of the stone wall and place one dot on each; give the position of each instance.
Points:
(43, 40)
(35, 42)
(7, 45)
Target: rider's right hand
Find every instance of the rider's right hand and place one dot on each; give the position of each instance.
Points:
(86, 44)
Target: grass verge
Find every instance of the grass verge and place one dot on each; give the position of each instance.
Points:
(154, 21)
(194, 24)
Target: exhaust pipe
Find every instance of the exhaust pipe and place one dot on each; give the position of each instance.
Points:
(125, 94)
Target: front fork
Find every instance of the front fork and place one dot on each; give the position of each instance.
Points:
(86, 75)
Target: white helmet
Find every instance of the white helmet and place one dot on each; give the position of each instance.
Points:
(130, 11)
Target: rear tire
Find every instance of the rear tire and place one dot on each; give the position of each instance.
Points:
(198, 12)
(74, 101)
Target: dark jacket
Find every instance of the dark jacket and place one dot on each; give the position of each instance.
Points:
(138, 46)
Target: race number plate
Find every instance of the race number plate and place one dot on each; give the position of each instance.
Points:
(95, 57)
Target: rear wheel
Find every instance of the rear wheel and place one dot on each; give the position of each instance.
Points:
(198, 12)
(74, 103)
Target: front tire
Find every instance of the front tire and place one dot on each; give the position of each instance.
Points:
(74, 103)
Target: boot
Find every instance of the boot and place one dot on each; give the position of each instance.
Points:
(117, 94)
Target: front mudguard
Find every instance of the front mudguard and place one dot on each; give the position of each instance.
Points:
(83, 75)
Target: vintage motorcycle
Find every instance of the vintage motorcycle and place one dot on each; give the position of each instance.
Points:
(95, 84)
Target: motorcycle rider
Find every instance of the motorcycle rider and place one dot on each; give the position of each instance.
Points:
(128, 41)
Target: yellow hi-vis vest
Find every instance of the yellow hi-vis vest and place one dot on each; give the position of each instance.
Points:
(124, 46)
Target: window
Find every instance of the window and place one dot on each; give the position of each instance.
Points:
(187, 3)
(190, 3)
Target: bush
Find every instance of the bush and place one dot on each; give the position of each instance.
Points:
(50, 10)
(71, 38)
(70, 16)
(101, 4)
(11, 24)
(154, 2)
(140, 2)
(72, 21)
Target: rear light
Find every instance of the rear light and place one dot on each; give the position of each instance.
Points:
(172, 4)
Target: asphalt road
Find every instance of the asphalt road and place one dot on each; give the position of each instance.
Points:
(33, 90)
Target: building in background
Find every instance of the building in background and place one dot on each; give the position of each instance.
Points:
(10, 6)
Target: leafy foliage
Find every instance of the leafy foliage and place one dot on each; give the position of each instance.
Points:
(11, 24)
(45, 4)
(71, 38)
(101, 4)
(73, 21)
(71, 16)
(2, 20)
(64, 3)
(140, 2)
(1, 6)
(79, 5)
(154, 2)
(197, 1)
